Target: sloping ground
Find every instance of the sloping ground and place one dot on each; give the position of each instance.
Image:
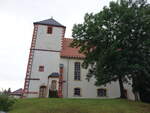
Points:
(79, 106)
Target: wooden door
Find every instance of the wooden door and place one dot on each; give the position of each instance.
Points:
(42, 92)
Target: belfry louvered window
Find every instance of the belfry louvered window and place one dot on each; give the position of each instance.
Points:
(49, 30)
(77, 71)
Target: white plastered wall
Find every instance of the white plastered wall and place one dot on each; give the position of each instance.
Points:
(43, 58)
(49, 41)
(88, 89)
(47, 55)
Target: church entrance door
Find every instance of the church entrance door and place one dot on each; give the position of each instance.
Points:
(53, 89)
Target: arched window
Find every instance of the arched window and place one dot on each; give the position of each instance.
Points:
(53, 85)
(77, 71)
(77, 92)
(101, 92)
(42, 92)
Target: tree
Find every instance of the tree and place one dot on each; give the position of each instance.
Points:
(5, 92)
(8, 91)
(116, 43)
(6, 102)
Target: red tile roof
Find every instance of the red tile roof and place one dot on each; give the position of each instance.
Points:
(68, 51)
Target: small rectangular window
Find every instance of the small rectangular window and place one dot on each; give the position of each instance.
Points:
(49, 30)
(77, 71)
(77, 92)
(41, 68)
(101, 92)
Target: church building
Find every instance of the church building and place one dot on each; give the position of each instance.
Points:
(54, 68)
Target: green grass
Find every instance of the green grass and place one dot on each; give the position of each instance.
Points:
(79, 106)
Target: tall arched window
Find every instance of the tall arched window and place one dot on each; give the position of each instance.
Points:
(77, 71)
(42, 92)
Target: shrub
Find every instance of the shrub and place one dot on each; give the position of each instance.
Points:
(6, 102)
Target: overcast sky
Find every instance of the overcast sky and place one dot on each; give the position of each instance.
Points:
(16, 27)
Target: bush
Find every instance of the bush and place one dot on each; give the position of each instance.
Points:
(6, 102)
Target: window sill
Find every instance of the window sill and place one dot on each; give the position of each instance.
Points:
(102, 96)
(77, 95)
(77, 80)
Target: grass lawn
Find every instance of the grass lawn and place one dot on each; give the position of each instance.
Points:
(79, 106)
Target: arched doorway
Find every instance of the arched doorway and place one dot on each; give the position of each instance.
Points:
(53, 85)
(42, 92)
(53, 89)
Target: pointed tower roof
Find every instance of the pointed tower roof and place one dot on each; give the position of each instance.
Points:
(50, 21)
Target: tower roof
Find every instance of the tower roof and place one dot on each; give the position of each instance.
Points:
(50, 21)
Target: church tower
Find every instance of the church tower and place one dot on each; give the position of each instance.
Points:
(43, 69)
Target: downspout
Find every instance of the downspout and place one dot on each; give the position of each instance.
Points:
(47, 88)
(67, 75)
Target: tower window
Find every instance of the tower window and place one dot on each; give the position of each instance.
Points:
(77, 92)
(41, 68)
(49, 30)
(77, 71)
(101, 92)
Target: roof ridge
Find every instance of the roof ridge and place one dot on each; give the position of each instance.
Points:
(50, 21)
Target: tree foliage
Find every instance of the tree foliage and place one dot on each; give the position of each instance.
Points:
(6, 102)
(116, 43)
